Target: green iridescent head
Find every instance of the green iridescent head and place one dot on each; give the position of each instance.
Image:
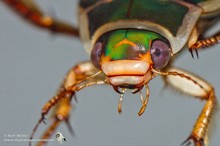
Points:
(125, 44)
(128, 44)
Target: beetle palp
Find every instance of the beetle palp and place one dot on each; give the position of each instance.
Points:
(144, 101)
(120, 101)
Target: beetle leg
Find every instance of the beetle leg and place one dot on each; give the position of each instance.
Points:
(50, 130)
(61, 112)
(79, 77)
(196, 87)
(198, 39)
(198, 44)
(32, 13)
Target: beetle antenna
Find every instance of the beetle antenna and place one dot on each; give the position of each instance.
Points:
(87, 78)
(174, 73)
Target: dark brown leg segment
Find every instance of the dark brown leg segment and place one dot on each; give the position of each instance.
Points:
(32, 13)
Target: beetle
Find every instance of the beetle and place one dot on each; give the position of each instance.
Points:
(130, 49)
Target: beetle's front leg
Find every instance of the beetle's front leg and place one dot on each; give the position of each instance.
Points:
(61, 113)
(80, 76)
(194, 43)
(196, 87)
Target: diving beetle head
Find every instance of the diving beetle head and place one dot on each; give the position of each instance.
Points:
(127, 56)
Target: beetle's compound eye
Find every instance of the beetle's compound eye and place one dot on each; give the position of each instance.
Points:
(96, 54)
(160, 54)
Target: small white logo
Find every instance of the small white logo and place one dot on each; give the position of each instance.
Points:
(60, 138)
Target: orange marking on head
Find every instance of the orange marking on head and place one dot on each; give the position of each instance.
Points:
(105, 59)
(146, 57)
(125, 41)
